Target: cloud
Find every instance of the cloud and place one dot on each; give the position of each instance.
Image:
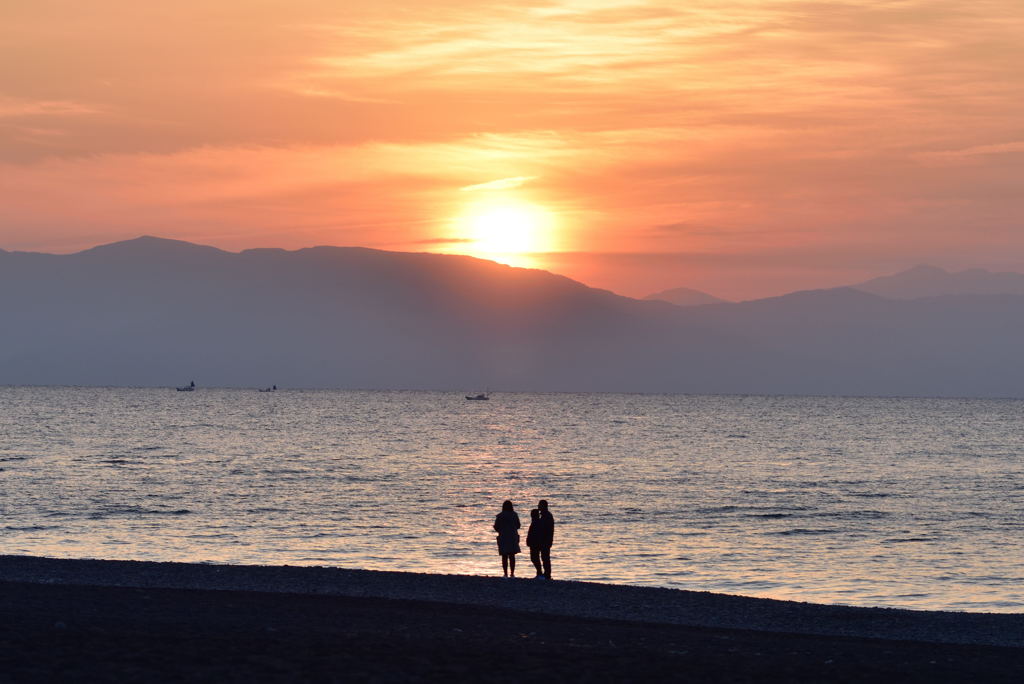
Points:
(443, 241)
(500, 184)
(738, 124)
(976, 150)
(11, 107)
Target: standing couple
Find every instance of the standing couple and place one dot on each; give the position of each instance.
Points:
(539, 538)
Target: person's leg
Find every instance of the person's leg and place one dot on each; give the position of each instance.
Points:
(535, 559)
(545, 555)
(504, 564)
(512, 564)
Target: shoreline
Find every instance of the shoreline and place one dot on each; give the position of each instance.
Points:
(566, 598)
(117, 621)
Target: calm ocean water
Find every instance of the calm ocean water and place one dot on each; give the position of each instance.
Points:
(911, 503)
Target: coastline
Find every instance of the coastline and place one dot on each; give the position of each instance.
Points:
(561, 597)
(391, 626)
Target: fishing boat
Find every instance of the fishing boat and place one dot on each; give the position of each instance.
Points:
(270, 389)
(478, 397)
(190, 387)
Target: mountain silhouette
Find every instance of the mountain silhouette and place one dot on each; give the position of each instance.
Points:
(931, 281)
(685, 296)
(855, 343)
(157, 312)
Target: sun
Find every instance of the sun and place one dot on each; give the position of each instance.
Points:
(507, 231)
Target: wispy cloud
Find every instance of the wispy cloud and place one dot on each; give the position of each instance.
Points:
(500, 184)
(981, 150)
(22, 107)
(776, 124)
(443, 241)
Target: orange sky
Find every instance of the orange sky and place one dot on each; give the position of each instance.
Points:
(742, 147)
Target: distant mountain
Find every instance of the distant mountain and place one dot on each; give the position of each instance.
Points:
(159, 312)
(931, 281)
(848, 342)
(684, 296)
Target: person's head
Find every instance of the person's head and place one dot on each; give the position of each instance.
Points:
(543, 505)
(507, 506)
(534, 513)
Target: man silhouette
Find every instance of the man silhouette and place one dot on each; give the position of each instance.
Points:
(542, 534)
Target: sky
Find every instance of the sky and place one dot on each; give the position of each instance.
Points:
(742, 147)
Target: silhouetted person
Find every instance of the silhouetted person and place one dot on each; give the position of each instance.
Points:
(506, 524)
(532, 543)
(542, 535)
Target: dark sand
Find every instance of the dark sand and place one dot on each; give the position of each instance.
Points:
(71, 620)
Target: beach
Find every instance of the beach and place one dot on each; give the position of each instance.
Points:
(66, 620)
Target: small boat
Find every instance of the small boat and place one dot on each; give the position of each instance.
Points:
(270, 389)
(190, 387)
(478, 397)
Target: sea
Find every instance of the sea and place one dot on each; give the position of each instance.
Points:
(908, 503)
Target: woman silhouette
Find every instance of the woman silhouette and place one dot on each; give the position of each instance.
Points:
(506, 524)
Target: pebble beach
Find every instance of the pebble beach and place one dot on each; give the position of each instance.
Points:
(101, 620)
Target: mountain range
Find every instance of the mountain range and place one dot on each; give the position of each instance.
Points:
(931, 281)
(158, 312)
(685, 296)
(914, 283)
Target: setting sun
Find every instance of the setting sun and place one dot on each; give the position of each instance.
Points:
(507, 231)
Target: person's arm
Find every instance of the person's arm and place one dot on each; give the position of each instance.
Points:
(549, 529)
